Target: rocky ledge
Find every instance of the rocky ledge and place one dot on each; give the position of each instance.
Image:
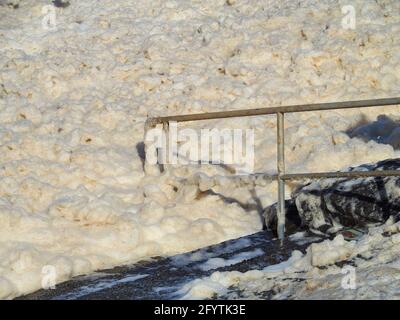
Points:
(329, 205)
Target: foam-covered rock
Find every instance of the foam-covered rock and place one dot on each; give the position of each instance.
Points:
(327, 204)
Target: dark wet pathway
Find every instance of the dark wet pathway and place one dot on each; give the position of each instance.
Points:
(160, 278)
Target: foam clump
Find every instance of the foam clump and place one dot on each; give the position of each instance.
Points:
(329, 252)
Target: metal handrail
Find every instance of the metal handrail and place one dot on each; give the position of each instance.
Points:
(274, 110)
(280, 111)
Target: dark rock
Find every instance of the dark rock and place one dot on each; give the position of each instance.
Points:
(293, 221)
(327, 205)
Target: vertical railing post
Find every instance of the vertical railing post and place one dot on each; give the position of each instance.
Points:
(281, 171)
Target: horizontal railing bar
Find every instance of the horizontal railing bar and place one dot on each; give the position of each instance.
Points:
(274, 110)
(349, 174)
(300, 176)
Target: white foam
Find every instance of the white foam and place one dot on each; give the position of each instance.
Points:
(73, 102)
(215, 263)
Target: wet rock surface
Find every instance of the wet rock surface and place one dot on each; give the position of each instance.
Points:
(327, 205)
